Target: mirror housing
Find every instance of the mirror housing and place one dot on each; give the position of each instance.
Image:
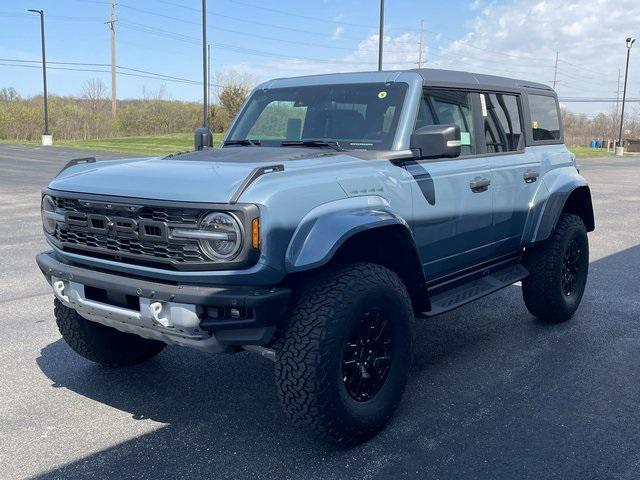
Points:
(437, 141)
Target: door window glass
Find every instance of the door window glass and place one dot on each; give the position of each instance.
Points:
(502, 129)
(545, 121)
(442, 107)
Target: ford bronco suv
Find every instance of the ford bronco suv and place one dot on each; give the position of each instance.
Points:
(339, 209)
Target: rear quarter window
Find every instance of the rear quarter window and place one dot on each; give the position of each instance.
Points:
(545, 118)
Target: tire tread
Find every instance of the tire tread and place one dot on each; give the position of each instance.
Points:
(539, 288)
(301, 361)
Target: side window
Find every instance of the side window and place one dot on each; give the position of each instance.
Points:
(502, 129)
(441, 107)
(544, 117)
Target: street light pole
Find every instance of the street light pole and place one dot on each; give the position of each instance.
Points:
(381, 35)
(44, 73)
(630, 42)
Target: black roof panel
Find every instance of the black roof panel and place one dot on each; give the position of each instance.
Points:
(454, 77)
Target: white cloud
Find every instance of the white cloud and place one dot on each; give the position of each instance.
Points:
(337, 33)
(517, 39)
(399, 52)
(521, 39)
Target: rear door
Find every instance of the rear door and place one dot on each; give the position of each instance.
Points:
(453, 207)
(516, 170)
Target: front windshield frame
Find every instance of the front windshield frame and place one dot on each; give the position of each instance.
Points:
(385, 106)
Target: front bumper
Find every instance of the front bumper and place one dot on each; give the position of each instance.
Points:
(208, 318)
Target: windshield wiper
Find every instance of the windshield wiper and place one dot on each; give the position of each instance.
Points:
(313, 143)
(245, 142)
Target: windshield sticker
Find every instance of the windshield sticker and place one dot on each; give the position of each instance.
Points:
(382, 95)
(465, 138)
(483, 102)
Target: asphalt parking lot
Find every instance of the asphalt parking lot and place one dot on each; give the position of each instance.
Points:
(494, 394)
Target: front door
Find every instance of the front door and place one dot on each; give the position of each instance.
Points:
(453, 207)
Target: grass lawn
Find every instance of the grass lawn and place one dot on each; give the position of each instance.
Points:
(157, 145)
(147, 145)
(584, 152)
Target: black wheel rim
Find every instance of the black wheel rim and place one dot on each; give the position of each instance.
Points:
(571, 268)
(367, 355)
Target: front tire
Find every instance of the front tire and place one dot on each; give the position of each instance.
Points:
(101, 344)
(558, 271)
(346, 352)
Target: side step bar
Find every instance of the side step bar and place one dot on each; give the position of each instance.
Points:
(445, 299)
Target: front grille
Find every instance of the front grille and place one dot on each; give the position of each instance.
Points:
(140, 235)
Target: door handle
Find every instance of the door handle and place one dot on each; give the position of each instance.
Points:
(530, 176)
(478, 185)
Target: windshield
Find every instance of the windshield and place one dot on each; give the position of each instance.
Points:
(354, 116)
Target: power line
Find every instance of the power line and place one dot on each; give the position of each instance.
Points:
(56, 17)
(594, 100)
(192, 40)
(581, 67)
(72, 66)
(307, 17)
(228, 30)
(255, 22)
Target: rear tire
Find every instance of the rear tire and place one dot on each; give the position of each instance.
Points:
(558, 271)
(101, 344)
(346, 352)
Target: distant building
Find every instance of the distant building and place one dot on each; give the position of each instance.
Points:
(632, 146)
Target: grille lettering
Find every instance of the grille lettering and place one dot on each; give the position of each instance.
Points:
(117, 227)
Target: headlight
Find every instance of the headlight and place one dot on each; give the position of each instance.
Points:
(49, 215)
(221, 236)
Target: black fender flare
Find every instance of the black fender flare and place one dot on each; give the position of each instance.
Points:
(576, 199)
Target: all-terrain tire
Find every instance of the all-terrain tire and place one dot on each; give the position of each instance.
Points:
(552, 292)
(310, 375)
(101, 344)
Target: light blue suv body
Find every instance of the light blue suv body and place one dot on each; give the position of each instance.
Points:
(321, 198)
(445, 178)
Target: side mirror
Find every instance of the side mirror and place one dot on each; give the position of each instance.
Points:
(437, 141)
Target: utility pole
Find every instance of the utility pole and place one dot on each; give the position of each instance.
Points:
(203, 138)
(421, 46)
(208, 80)
(381, 35)
(615, 119)
(620, 148)
(555, 73)
(618, 97)
(112, 27)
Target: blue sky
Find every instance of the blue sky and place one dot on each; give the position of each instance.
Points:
(269, 39)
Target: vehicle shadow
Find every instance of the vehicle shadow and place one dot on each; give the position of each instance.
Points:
(475, 370)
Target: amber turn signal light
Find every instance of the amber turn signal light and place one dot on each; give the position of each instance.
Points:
(255, 233)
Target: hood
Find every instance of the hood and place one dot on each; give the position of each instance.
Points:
(204, 176)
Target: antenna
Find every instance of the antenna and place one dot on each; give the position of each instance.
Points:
(421, 45)
(555, 72)
(112, 26)
(381, 35)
